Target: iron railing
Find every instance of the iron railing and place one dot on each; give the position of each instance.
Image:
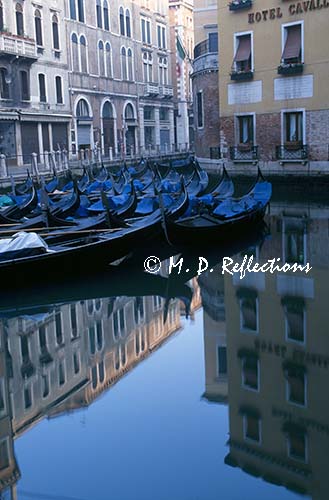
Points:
(292, 152)
(206, 47)
(244, 153)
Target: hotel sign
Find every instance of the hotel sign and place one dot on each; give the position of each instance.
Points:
(294, 8)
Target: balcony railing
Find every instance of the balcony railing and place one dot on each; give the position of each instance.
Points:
(18, 46)
(215, 153)
(290, 69)
(292, 152)
(206, 47)
(166, 91)
(242, 75)
(244, 152)
(151, 89)
(240, 4)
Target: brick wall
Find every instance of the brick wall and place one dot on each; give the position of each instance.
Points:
(208, 136)
(317, 134)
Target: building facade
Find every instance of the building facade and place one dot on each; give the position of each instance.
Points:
(205, 80)
(34, 96)
(273, 100)
(181, 19)
(120, 76)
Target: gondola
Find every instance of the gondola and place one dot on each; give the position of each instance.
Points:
(16, 212)
(232, 217)
(24, 188)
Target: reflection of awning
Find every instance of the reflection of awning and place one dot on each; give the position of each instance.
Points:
(244, 49)
(294, 304)
(246, 293)
(292, 47)
(293, 369)
(293, 428)
(249, 411)
(245, 353)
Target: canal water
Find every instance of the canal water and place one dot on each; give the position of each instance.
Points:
(140, 387)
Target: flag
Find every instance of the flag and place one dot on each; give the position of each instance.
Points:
(180, 49)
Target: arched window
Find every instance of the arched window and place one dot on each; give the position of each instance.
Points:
(19, 20)
(4, 86)
(130, 65)
(82, 109)
(123, 64)
(122, 21)
(99, 14)
(163, 71)
(101, 61)
(75, 53)
(1, 17)
(107, 110)
(147, 67)
(101, 372)
(108, 60)
(55, 32)
(59, 90)
(42, 88)
(83, 54)
(38, 27)
(106, 16)
(129, 112)
(128, 26)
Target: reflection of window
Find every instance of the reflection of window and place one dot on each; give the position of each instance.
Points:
(61, 373)
(101, 371)
(296, 383)
(138, 310)
(248, 310)
(27, 398)
(251, 424)
(59, 327)
(2, 396)
(94, 377)
(92, 339)
(74, 321)
(99, 334)
(222, 360)
(76, 363)
(250, 369)
(294, 244)
(294, 309)
(45, 385)
(118, 322)
(4, 454)
(296, 440)
(156, 302)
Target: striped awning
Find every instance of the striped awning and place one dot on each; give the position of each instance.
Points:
(244, 49)
(293, 43)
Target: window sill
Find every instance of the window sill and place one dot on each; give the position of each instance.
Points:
(291, 69)
(238, 5)
(242, 75)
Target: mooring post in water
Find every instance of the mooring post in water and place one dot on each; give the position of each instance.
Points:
(34, 165)
(3, 166)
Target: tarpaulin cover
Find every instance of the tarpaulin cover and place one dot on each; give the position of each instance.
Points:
(22, 245)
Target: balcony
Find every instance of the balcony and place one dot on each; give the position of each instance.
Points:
(18, 46)
(166, 91)
(151, 90)
(244, 153)
(240, 4)
(290, 69)
(215, 153)
(239, 76)
(292, 152)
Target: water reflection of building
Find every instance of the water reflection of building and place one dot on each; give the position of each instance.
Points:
(63, 359)
(214, 327)
(278, 360)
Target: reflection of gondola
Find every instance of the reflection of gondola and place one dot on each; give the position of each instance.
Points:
(34, 298)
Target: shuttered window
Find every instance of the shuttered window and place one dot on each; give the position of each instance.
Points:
(293, 44)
